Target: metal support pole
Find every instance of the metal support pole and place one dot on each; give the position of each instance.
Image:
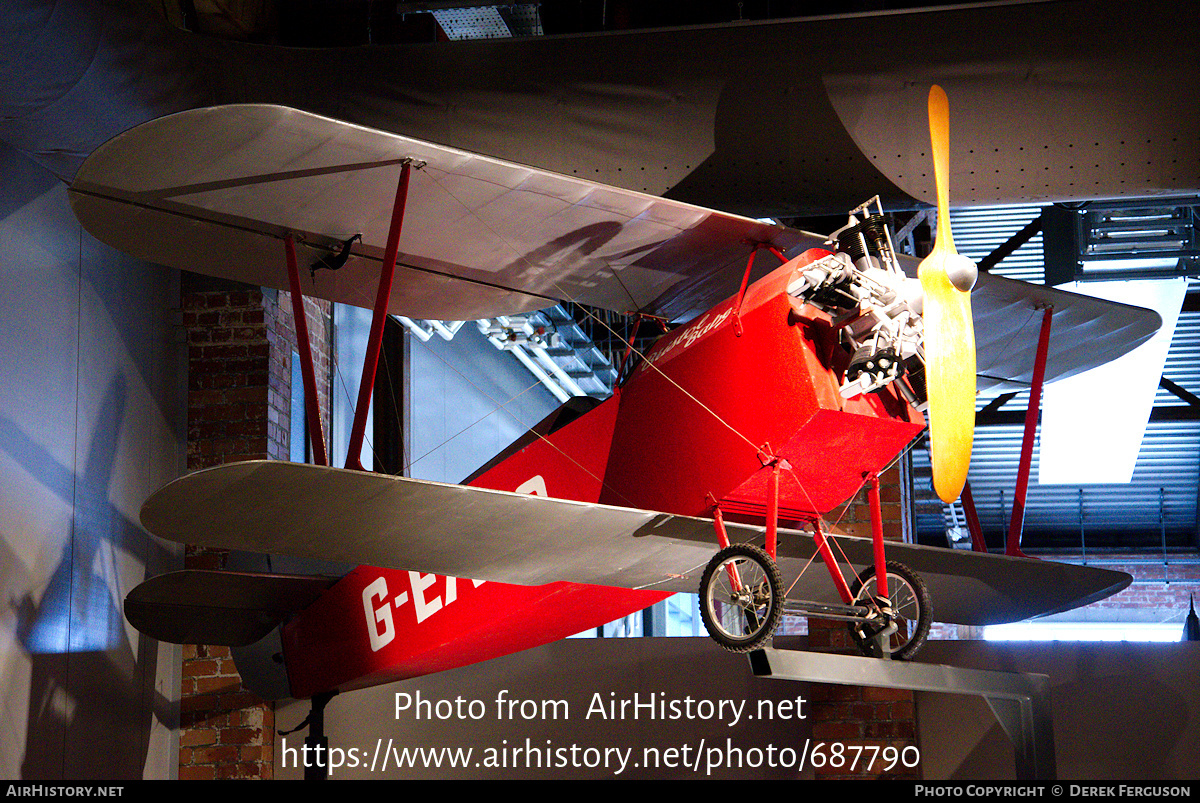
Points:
(773, 510)
(637, 323)
(1162, 527)
(737, 305)
(317, 743)
(1017, 522)
(387, 272)
(1082, 536)
(312, 409)
(735, 581)
(719, 523)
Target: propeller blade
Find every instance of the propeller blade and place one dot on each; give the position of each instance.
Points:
(949, 332)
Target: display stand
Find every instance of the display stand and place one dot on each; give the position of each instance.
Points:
(1020, 701)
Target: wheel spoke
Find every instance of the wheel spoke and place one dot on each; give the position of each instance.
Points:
(740, 597)
(908, 609)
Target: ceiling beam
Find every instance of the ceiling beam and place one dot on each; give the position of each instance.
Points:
(1183, 393)
(1006, 250)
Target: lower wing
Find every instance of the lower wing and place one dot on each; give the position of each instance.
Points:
(397, 522)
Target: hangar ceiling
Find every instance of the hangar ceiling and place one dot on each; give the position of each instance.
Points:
(337, 23)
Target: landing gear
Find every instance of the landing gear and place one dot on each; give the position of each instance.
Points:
(741, 597)
(741, 589)
(898, 621)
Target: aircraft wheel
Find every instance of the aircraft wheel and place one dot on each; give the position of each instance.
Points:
(741, 597)
(911, 610)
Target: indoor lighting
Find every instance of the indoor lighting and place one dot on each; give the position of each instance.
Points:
(1084, 631)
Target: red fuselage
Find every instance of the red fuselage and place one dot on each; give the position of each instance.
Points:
(693, 424)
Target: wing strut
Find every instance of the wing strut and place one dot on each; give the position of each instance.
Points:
(312, 408)
(737, 306)
(379, 317)
(877, 534)
(1017, 522)
(978, 544)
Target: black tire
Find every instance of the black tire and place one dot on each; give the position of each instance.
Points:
(911, 610)
(741, 622)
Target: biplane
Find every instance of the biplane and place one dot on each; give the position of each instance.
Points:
(799, 371)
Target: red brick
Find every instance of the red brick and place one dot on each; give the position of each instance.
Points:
(198, 737)
(199, 668)
(194, 773)
(872, 693)
(253, 753)
(241, 736)
(829, 712)
(837, 731)
(215, 754)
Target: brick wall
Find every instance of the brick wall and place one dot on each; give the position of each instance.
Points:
(228, 372)
(1165, 589)
(240, 342)
(224, 730)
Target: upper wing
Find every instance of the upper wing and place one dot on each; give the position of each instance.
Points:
(213, 190)
(401, 523)
(1085, 332)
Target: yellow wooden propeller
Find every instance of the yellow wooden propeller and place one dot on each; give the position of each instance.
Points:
(946, 280)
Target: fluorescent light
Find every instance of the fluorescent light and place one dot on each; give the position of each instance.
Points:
(1084, 631)
(1149, 263)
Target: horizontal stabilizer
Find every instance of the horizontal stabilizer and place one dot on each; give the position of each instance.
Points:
(230, 609)
(460, 531)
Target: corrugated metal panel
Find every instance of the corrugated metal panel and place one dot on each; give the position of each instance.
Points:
(1183, 360)
(978, 232)
(1169, 460)
(1168, 467)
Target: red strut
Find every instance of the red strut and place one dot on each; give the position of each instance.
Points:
(378, 319)
(1017, 522)
(978, 544)
(312, 408)
(835, 571)
(881, 583)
